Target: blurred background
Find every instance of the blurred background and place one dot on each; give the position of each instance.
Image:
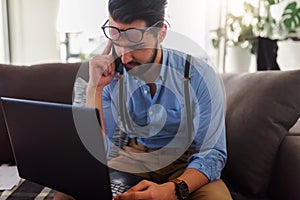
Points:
(235, 36)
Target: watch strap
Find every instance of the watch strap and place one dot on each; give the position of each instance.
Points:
(178, 187)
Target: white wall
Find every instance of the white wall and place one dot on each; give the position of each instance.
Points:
(195, 19)
(85, 17)
(33, 31)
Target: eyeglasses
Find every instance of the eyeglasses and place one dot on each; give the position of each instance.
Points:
(131, 34)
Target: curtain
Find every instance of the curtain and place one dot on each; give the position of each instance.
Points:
(4, 40)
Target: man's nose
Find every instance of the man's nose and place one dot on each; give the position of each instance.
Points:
(126, 55)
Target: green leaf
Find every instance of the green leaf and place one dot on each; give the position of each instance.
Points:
(291, 17)
(273, 2)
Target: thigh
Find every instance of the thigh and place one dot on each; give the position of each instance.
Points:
(62, 196)
(216, 190)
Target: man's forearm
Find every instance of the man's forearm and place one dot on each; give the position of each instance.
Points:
(90, 97)
(194, 179)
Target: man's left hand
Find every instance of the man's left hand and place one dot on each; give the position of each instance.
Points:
(149, 190)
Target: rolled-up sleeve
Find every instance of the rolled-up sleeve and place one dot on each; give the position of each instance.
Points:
(210, 137)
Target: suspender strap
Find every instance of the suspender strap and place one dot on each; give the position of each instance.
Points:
(121, 101)
(187, 67)
(124, 115)
(187, 102)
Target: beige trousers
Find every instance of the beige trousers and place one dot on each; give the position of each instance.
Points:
(215, 190)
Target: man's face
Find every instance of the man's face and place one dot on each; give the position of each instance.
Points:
(135, 54)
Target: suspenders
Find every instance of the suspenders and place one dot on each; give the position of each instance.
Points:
(124, 116)
(187, 102)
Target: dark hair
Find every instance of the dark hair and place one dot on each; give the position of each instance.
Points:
(127, 11)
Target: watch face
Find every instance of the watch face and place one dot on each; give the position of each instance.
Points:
(183, 190)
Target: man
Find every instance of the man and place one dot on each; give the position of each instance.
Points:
(157, 114)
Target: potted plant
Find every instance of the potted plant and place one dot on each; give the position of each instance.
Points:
(258, 31)
(272, 30)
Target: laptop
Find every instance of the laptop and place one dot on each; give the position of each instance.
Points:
(61, 146)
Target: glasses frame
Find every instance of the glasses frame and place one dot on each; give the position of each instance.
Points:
(124, 31)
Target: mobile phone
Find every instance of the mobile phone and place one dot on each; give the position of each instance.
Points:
(118, 62)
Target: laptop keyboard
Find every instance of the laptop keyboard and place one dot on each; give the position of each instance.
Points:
(118, 188)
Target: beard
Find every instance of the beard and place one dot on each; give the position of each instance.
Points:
(138, 69)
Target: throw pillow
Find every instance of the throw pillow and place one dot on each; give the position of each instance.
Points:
(79, 92)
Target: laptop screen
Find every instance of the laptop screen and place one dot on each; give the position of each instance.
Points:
(54, 150)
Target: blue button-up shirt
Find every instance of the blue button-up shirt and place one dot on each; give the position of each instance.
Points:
(160, 121)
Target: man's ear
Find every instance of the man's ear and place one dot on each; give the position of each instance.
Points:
(162, 33)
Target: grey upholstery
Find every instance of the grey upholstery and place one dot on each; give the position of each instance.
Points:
(261, 108)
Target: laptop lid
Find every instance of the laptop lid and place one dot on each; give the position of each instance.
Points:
(59, 146)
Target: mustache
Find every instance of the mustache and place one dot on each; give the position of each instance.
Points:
(134, 63)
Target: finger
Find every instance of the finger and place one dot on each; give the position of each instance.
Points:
(103, 62)
(107, 48)
(143, 185)
(133, 195)
(111, 69)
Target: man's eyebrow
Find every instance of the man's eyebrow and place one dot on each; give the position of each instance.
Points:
(131, 46)
(136, 45)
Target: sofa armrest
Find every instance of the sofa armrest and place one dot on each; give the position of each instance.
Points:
(286, 177)
(51, 82)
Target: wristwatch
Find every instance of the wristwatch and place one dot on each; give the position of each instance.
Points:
(182, 190)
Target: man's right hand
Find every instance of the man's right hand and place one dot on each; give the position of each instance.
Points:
(101, 69)
(101, 72)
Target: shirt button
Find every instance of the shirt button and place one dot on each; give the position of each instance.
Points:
(145, 92)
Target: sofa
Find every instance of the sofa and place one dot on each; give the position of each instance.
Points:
(262, 122)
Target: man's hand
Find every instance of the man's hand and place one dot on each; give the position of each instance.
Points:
(101, 69)
(149, 190)
(101, 72)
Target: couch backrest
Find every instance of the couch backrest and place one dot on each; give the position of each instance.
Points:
(45, 82)
(261, 108)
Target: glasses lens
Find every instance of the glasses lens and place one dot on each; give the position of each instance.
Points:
(111, 33)
(134, 35)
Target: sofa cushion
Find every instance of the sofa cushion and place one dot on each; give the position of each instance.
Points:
(261, 108)
(45, 82)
